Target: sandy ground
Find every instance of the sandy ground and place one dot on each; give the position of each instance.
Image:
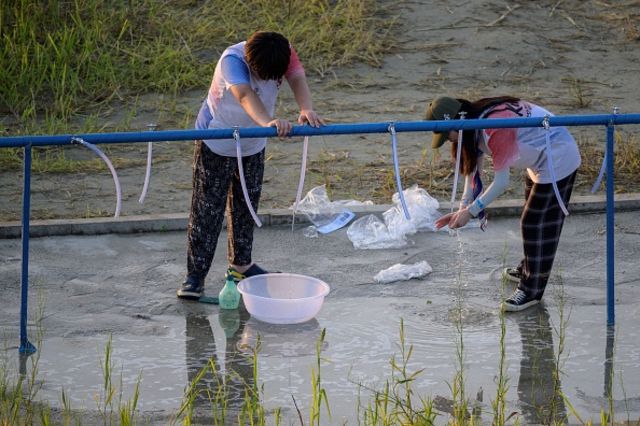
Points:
(574, 57)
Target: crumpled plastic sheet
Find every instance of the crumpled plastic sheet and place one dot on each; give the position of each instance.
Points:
(423, 209)
(369, 232)
(402, 272)
(327, 215)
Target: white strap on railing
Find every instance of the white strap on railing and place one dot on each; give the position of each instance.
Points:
(603, 166)
(456, 172)
(396, 168)
(552, 171)
(303, 170)
(111, 168)
(236, 136)
(147, 174)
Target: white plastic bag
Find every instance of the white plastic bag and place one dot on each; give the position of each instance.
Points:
(397, 223)
(326, 215)
(401, 272)
(423, 208)
(369, 232)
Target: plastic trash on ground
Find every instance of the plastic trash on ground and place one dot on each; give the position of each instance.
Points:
(369, 232)
(310, 232)
(397, 223)
(402, 272)
(353, 203)
(326, 215)
(423, 208)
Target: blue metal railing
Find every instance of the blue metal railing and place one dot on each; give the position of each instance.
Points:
(608, 120)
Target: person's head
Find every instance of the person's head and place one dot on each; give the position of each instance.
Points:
(441, 108)
(445, 106)
(267, 54)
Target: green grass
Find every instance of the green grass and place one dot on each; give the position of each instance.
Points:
(81, 66)
(61, 59)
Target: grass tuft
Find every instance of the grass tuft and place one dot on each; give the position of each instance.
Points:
(61, 59)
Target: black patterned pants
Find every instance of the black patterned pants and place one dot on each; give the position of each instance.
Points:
(541, 225)
(216, 189)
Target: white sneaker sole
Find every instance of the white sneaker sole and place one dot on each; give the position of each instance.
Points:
(509, 307)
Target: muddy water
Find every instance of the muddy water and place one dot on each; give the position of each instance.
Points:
(357, 350)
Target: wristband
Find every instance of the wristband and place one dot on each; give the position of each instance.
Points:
(476, 208)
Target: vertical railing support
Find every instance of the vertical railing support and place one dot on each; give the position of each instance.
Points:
(608, 363)
(25, 346)
(610, 223)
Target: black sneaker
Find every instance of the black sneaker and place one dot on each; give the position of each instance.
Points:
(192, 288)
(512, 274)
(237, 276)
(519, 301)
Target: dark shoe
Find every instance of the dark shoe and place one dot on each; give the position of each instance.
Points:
(237, 276)
(192, 288)
(512, 274)
(519, 301)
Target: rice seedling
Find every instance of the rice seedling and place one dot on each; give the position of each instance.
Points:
(397, 402)
(556, 404)
(209, 399)
(499, 404)
(319, 393)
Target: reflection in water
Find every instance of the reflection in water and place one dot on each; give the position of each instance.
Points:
(539, 388)
(607, 403)
(608, 362)
(216, 388)
(282, 340)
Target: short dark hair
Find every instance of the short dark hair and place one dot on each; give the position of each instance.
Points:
(268, 54)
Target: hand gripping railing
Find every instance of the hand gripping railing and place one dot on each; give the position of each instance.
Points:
(608, 120)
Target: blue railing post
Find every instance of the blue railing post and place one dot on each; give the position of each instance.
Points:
(610, 224)
(25, 346)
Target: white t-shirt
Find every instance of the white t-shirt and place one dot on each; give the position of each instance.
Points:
(525, 148)
(224, 111)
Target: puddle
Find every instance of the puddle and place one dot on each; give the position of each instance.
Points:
(362, 336)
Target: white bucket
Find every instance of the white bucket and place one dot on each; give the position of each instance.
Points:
(283, 298)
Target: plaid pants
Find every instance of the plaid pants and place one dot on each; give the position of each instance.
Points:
(541, 225)
(216, 188)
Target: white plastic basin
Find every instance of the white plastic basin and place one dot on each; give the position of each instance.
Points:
(283, 298)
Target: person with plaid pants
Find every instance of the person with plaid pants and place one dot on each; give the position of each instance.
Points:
(551, 158)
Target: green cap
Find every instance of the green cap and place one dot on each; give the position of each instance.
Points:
(436, 110)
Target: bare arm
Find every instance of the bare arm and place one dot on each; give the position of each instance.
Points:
(254, 107)
(301, 92)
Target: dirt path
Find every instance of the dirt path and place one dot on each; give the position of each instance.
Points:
(572, 56)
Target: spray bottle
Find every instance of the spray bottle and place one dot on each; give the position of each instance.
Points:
(229, 297)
